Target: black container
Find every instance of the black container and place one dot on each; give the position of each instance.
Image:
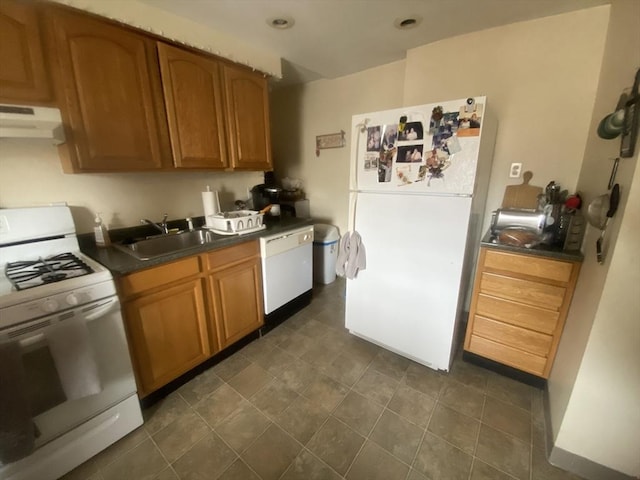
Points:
(263, 195)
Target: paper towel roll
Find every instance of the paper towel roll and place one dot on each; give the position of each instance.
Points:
(211, 203)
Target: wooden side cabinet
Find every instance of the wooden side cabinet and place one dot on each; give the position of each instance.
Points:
(518, 308)
(23, 72)
(235, 288)
(110, 95)
(247, 111)
(194, 106)
(166, 319)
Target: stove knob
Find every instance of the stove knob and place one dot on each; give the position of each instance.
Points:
(72, 299)
(49, 306)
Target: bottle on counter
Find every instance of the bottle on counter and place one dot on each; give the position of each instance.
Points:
(101, 233)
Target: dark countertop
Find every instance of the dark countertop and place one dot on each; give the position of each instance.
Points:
(551, 251)
(120, 263)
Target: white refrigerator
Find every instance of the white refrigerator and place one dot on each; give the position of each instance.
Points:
(418, 184)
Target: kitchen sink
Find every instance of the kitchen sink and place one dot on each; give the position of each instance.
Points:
(148, 248)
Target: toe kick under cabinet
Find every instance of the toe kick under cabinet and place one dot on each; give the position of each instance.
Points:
(518, 308)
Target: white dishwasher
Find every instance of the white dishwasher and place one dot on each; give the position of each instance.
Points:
(287, 273)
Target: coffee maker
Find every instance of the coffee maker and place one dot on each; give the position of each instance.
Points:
(263, 195)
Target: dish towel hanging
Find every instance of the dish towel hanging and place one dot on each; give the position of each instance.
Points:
(352, 256)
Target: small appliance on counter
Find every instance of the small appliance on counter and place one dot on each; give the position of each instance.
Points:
(518, 227)
(264, 195)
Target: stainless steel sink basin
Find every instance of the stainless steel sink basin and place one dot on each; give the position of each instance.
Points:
(165, 244)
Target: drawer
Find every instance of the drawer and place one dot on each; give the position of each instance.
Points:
(525, 291)
(157, 276)
(513, 357)
(528, 265)
(519, 314)
(520, 338)
(227, 256)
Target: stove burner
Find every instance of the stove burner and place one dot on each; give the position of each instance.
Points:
(33, 273)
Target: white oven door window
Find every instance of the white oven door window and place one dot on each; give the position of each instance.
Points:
(75, 365)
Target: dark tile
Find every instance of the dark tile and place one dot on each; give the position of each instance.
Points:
(437, 459)
(166, 474)
(206, 459)
(257, 349)
(277, 360)
(345, 369)
(239, 471)
(231, 366)
(308, 467)
(469, 374)
(482, 471)
(325, 392)
(313, 329)
(543, 470)
(243, 427)
(504, 452)
(270, 455)
(144, 462)
(373, 463)
(302, 419)
(250, 380)
(200, 387)
(332, 315)
(337, 337)
(336, 444)
(321, 354)
(362, 349)
(397, 436)
(178, 437)
(416, 475)
(510, 391)
(412, 405)
(219, 405)
(274, 398)
(297, 376)
(391, 364)
(164, 412)
(508, 418)
(279, 334)
(454, 427)
(376, 386)
(423, 379)
(463, 399)
(297, 344)
(358, 412)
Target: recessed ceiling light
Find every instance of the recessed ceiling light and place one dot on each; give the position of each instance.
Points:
(281, 23)
(407, 22)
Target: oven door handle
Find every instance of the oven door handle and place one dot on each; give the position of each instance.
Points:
(100, 309)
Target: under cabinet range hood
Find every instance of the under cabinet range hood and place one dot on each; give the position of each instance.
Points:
(21, 121)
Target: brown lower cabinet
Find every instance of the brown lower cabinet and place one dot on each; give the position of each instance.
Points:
(518, 308)
(179, 314)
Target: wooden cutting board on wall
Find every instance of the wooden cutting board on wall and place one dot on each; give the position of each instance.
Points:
(523, 195)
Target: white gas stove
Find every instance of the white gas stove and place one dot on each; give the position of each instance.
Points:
(63, 349)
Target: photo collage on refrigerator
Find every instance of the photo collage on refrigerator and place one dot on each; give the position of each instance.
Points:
(412, 151)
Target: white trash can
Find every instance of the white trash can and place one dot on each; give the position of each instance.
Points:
(325, 253)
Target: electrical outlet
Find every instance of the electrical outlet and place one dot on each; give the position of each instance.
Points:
(515, 170)
(4, 224)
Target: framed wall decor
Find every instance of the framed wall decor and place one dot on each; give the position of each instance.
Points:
(331, 140)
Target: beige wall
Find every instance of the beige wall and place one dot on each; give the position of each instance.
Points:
(540, 79)
(31, 175)
(300, 113)
(596, 375)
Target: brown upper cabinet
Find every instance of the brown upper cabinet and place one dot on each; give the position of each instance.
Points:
(247, 109)
(23, 72)
(110, 96)
(133, 103)
(194, 105)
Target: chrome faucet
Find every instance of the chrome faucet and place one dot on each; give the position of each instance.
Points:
(162, 227)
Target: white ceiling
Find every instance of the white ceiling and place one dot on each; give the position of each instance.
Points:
(332, 38)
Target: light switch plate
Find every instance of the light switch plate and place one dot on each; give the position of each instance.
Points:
(516, 170)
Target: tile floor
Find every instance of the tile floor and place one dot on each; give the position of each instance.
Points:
(310, 401)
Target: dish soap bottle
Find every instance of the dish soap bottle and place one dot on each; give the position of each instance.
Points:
(100, 232)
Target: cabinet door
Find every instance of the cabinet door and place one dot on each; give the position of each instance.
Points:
(23, 75)
(236, 294)
(247, 110)
(193, 100)
(168, 334)
(111, 95)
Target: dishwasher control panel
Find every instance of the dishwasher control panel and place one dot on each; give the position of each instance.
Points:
(284, 241)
